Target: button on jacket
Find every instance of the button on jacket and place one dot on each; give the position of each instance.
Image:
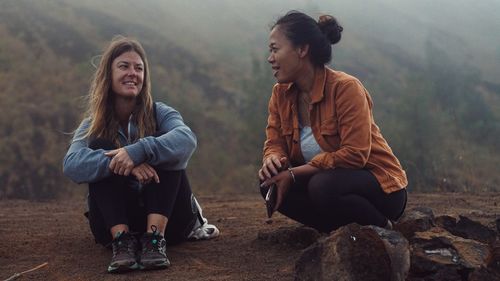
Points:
(342, 124)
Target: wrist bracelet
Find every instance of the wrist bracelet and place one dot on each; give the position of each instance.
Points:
(291, 173)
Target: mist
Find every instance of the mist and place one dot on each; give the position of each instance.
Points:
(431, 67)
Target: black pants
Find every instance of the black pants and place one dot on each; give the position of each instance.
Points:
(115, 200)
(333, 198)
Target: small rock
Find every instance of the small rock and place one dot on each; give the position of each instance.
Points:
(493, 260)
(446, 222)
(437, 252)
(416, 219)
(296, 237)
(483, 274)
(466, 228)
(470, 229)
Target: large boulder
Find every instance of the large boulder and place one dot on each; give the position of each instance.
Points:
(441, 248)
(355, 252)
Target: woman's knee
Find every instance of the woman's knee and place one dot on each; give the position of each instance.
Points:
(396, 204)
(171, 178)
(321, 188)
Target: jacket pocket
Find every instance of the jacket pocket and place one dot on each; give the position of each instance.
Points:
(330, 134)
(329, 127)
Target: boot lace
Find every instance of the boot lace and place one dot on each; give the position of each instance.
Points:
(153, 244)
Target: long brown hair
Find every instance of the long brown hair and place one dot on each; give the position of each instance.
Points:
(101, 111)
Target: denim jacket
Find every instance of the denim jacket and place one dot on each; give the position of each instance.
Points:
(169, 151)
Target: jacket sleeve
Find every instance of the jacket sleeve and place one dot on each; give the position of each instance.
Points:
(353, 107)
(82, 164)
(275, 143)
(172, 149)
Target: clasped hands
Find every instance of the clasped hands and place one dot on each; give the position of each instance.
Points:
(121, 164)
(274, 171)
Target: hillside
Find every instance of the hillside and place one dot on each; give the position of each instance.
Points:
(30, 236)
(47, 64)
(431, 71)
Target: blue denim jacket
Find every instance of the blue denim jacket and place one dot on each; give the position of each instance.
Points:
(170, 151)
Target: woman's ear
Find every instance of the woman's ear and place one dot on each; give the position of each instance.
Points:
(303, 51)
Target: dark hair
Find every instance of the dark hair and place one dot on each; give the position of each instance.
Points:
(302, 30)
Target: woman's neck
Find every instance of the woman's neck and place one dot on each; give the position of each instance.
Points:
(305, 82)
(123, 108)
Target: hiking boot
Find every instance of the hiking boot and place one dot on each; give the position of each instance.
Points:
(124, 253)
(153, 254)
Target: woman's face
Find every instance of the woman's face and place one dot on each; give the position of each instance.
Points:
(127, 74)
(284, 58)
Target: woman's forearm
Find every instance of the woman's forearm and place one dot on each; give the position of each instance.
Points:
(304, 170)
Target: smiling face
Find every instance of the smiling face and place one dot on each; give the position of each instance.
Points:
(286, 60)
(127, 74)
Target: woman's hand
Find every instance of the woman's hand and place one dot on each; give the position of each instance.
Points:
(144, 173)
(283, 182)
(121, 164)
(272, 166)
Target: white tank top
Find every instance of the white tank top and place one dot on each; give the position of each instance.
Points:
(308, 144)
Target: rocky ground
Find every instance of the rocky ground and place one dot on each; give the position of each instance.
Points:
(56, 232)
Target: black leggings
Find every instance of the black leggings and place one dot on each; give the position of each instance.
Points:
(115, 200)
(333, 198)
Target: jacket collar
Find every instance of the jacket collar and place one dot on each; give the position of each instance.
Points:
(318, 86)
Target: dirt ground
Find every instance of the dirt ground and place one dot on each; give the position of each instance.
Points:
(56, 232)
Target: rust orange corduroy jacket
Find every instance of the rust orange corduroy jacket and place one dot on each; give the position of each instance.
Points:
(342, 123)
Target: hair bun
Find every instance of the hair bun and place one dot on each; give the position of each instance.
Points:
(330, 28)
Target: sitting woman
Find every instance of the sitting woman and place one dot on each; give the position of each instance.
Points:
(324, 154)
(133, 153)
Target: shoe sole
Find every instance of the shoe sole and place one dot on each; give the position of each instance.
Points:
(212, 235)
(120, 268)
(153, 266)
